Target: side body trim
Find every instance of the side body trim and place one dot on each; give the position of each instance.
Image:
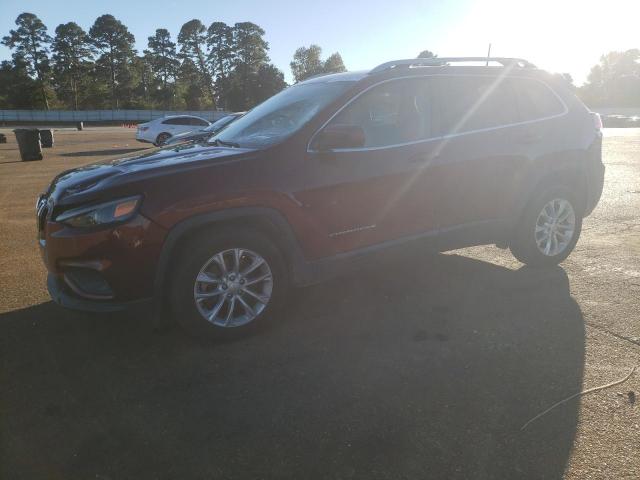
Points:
(304, 272)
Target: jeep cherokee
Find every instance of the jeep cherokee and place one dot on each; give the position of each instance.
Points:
(437, 153)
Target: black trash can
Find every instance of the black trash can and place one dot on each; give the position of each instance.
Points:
(3, 138)
(46, 138)
(29, 143)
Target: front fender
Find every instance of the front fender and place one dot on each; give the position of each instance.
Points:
(286, 240)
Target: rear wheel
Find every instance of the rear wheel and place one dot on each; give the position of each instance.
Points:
(163, 137)
(227, 283)
(549, 228)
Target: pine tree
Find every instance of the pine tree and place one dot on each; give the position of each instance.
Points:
(192, 40)
(221, 55)
(17, 89)
(250, 54)
(163, 59)
(72, 57)
(112, 38)
(30, 42)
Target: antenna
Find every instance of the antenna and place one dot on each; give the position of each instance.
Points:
(488, 55)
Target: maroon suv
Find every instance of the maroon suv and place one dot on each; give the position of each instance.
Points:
(439, 154)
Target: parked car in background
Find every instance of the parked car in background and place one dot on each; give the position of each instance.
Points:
(160, 130)
(620, 121)
(418, 155)
(203, 133)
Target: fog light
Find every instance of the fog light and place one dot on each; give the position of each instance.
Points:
(88, 283)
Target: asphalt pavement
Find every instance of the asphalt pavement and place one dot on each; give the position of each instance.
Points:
(427, 367)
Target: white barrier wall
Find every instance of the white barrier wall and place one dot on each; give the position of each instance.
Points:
(98, 115)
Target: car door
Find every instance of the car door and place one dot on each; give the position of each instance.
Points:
(184, 124)
(541, 136)
(477, 162)
(198, 123)
(171, 125)
(366, 195)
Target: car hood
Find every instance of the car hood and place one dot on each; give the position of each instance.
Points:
(75, 185)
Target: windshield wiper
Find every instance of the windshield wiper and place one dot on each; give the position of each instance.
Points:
(222, 143)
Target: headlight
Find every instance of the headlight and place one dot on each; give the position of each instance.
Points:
(101, 214)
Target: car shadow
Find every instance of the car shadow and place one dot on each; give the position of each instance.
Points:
(103, 153)
(425, 368)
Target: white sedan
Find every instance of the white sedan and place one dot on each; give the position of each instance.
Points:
(160, 130)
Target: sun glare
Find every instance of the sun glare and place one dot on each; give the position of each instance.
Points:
(561, 36)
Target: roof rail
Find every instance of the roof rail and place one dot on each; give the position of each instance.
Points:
(317, 75)
(444, 61)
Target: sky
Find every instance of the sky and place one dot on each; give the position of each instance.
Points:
(557, 35)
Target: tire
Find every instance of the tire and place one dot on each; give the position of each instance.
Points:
(228, 291)
(160, 139)
(529, 243)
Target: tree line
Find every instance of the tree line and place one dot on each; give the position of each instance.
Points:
(220, 66)
(613, 82)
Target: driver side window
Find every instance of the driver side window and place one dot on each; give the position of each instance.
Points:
(392, 113)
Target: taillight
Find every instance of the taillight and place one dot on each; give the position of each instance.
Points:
(597, 121)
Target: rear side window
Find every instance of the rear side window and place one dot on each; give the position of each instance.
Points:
(178, 121)
(468, 103)
(392, 113)
(535, 100)
(198, 122)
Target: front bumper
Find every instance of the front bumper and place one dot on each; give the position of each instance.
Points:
(63, 296)
(101, 269)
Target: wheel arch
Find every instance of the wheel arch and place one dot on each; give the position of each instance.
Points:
(162, 133)
(570, 174)
(268, 221)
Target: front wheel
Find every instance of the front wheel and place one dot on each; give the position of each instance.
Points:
(549, 228)
(226, 283)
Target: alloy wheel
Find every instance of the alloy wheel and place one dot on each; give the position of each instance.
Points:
(233, 287)
(555, 227)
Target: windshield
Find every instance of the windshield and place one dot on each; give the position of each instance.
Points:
(281, 115)
(218, 124)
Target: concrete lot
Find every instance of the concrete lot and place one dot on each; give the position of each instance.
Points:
(423, 369)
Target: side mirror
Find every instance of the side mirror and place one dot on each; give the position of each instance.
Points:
(333, 137)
